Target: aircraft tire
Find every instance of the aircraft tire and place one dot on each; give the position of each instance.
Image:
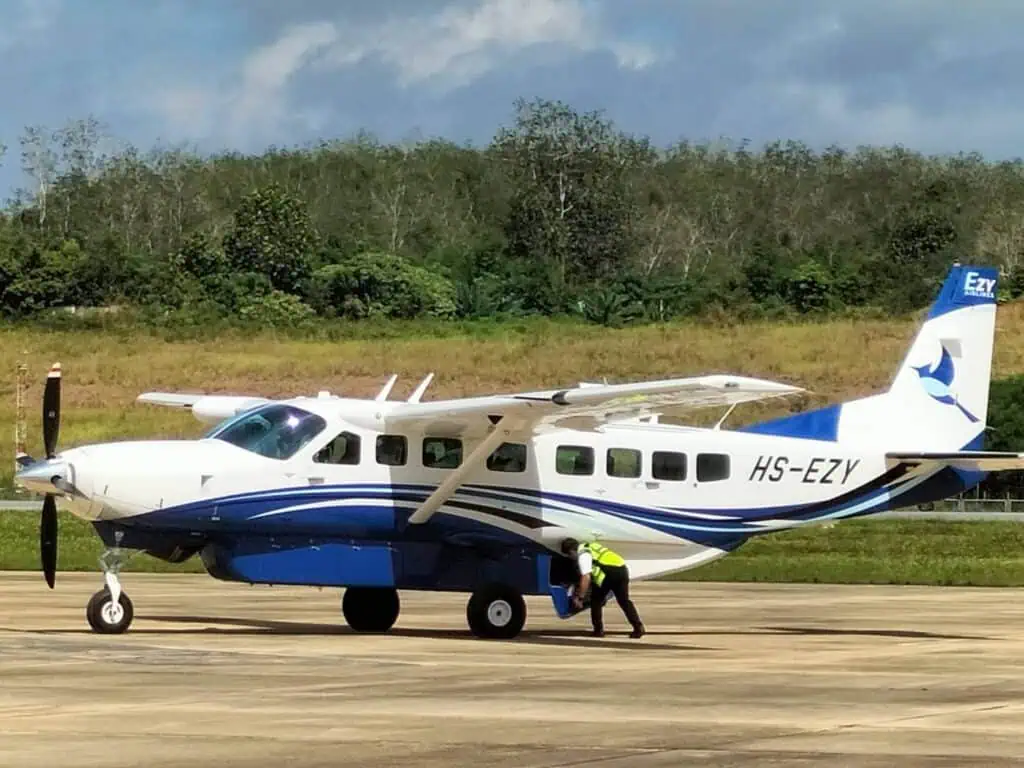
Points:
(103, 618)
(370, 609)
(496, 612)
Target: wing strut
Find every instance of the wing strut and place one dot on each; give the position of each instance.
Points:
(446, 489)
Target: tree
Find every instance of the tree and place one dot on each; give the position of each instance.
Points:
(571, 212)
(272, 236)
(374, 285)
(560, 208)
(39, 161)
(1005, 432)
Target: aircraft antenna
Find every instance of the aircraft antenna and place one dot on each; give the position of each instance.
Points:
(386, 389)
(415, 396)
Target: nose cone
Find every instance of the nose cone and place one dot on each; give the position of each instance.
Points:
(64, 475)
(42, 476)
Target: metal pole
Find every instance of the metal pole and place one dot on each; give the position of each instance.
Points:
(20, 429)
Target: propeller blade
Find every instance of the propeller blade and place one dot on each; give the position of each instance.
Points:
(48, 538)
(51, 411)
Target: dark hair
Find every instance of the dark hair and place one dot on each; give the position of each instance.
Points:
(568, 545)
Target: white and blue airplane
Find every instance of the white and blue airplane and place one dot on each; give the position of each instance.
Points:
(475, 495)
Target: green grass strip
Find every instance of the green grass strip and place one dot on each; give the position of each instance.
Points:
(927, 552)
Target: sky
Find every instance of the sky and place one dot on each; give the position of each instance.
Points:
(934, 75)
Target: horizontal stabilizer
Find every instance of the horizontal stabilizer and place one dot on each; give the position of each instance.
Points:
(208, 408)
(973, 461)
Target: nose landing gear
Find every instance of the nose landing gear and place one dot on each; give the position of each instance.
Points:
(110, 611)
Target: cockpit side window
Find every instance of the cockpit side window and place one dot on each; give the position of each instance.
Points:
(276, 431)
(344, 449)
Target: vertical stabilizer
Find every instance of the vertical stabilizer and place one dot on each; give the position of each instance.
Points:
(938, 399)
(950, 362)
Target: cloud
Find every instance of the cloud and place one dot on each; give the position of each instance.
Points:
(256, 103)
(26, 22)
(452, 47)
(459, 44)
(267, 71)
(936, 75)
(883, 73)
(835, 111)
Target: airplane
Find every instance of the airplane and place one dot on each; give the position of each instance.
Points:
(475, 494)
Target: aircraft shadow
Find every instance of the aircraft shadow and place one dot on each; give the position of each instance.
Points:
(810, 631)
(896, 633)
(550, 636)
(255, 627)
(578, 638)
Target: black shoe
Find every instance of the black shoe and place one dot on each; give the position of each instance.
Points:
(598, 633)
(638, 631)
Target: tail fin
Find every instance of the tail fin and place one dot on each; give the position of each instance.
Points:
(938, 399)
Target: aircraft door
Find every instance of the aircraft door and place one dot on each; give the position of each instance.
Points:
(338, 461)
(669, 478)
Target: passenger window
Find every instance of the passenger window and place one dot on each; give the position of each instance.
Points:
(392, 450)
(712, 467)
(668, 465)
(508, 457)
(623, 462)
(442, 452)
(344, 449)
(574, 460)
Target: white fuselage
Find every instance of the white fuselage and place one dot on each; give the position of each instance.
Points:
(667, 497)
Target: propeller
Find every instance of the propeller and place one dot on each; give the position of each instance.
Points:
(51, 429)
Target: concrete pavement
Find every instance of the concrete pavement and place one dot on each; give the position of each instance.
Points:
(730, 675)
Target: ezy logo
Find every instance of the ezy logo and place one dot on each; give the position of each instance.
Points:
(979, 287)
(936, 381)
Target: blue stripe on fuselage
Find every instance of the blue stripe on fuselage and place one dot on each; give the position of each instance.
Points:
(339, 513)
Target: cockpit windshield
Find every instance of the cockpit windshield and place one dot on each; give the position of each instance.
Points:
(276, 431)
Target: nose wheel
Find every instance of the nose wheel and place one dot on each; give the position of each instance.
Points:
(107, 616)
(110, 611)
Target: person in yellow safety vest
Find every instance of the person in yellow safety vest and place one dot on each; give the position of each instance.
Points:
(608, 572)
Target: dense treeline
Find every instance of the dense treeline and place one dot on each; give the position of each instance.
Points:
(561, 213)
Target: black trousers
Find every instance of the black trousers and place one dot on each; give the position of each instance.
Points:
(616, 581)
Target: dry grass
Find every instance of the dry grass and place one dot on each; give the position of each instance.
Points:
(103, 372)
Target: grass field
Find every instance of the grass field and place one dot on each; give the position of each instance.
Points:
(105, 371)
(855, 552)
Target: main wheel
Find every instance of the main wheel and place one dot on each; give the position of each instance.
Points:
(370, 609)
(107, 617)
(496, 611)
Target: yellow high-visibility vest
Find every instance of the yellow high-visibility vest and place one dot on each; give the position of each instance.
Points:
(601, 556)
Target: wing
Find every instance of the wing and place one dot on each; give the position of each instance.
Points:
(584, 408)
(505, 417)
(973, 461)
(207, 408)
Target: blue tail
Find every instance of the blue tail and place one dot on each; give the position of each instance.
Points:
(938, 399)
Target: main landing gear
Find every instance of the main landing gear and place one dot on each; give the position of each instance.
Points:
(370, 609)
(493, 612)
(110, 611)
(496, 612)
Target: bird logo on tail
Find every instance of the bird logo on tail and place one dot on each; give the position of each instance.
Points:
(936, 382)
